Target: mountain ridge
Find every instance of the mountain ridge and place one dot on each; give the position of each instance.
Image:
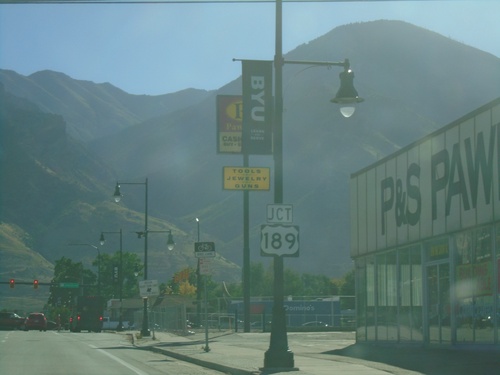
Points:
(406, 98)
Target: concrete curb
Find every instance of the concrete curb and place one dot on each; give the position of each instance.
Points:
(196, 361)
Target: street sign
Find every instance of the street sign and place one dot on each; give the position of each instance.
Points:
(69, 285)
(205, 266)
(246, 178)
(204, 249)
(279, 240)
(280, 213)
(149, 288)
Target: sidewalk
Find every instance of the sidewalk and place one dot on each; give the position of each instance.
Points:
(243, 353)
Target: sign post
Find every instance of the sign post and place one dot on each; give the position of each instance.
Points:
(204, 251)
(149, 288)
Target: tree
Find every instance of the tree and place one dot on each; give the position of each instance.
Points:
(110, 265)
(61, 299)
(183, 282)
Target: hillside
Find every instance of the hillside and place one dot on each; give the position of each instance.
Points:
(61, 167)
(93, 110)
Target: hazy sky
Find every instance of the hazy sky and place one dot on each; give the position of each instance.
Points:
(162, 48)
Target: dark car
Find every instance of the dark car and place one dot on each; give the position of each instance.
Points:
(10, 320)
(36, 321)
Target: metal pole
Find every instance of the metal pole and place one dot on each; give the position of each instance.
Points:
(120, 276)
(246, 254)
(145, 323)
(98, 272)
(198, 282)
(278, 355)
(207, 349)
(120, 280)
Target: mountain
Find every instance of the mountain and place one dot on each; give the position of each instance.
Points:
(93, 110)
(413, 81)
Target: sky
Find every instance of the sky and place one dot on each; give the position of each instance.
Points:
(163, 48)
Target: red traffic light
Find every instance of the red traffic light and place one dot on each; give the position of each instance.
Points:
(35, 284)
(12, 283)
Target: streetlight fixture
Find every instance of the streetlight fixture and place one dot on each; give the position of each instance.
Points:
(117, 196)
(347, 96)
(102, 240)
(98, 263)
(170, 240)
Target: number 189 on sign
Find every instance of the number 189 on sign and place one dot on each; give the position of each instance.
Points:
(280, 240)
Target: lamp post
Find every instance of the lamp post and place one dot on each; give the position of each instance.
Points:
(170, 247)
(98, 263)
(198, 281)
(279, 355)
(102, 240)
(117, 196)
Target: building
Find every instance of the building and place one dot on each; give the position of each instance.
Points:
(425, 237)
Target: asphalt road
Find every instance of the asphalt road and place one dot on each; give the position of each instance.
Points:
(66, 353)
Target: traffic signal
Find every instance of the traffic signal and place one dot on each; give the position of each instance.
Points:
(12, 283)
(35, 284)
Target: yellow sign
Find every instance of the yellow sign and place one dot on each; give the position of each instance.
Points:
(229, 123)
(246, 178)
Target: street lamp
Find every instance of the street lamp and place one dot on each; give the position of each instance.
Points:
(347, 96)
(98, 263)
(117, 196)
(279, 355)
(102, 240)
(198, 281)
(170, 240)
(170, 247)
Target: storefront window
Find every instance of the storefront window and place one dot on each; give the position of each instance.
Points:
(464, 287)
(438, 291)
(496, 315)
(361, 299)
(370, 299)
(410, 310)
(382, 298)
(474, 286)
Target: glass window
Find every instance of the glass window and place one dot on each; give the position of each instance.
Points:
(495, 317)
(410, 311)
(474, 287)
(361, 299)
(370, 299)
(382, 297)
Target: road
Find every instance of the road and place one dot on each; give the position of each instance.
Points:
(66, 353)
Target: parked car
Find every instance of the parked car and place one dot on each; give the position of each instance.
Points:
(10, 320)
(35, 321)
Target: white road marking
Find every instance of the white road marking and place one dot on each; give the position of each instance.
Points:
(123, 363)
